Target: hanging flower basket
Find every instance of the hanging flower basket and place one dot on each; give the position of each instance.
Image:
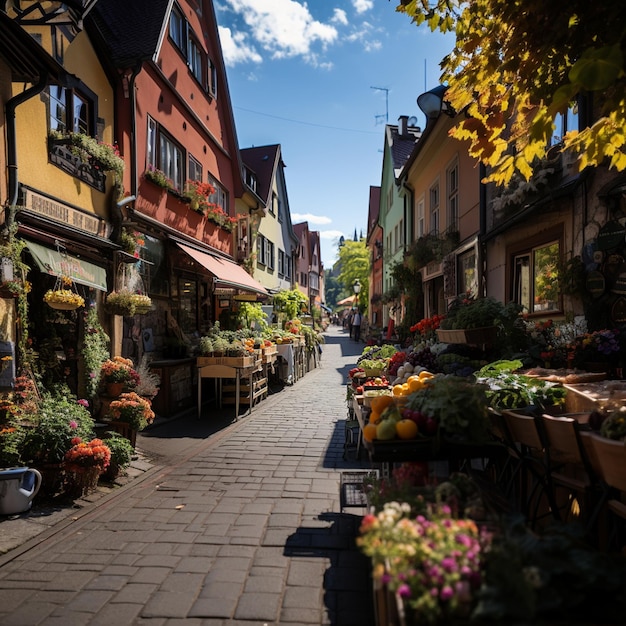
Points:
(64, 296)
(127, 303)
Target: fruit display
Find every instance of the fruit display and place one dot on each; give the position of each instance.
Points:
(389, 420)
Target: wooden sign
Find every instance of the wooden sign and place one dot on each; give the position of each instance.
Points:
(618, 311)
(620, 284)
(595, 283)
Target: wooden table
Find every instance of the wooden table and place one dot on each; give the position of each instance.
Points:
(221, 372)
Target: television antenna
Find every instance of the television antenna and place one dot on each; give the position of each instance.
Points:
(386, 115)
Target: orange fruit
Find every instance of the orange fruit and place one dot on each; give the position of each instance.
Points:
(425, 374)
(369, 432)
(405, 389)
(406, 429)
(380, 403)
(415, 384)
(374, 416)
(397, 390)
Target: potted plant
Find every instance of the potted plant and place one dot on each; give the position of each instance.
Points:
(118, 373)
(46, 434)
(133, 410)
(480, 316)
(121, 455)
(149, 381)
(83, 463)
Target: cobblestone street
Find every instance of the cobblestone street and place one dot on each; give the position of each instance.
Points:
(243, 527)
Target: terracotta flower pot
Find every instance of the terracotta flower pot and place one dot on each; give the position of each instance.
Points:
(114, 390)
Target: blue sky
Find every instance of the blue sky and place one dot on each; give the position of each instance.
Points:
(320, 79)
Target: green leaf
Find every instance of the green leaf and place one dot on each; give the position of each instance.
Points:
(598, 69)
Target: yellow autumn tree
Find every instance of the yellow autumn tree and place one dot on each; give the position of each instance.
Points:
(517, 64)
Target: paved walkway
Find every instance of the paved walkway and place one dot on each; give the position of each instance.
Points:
(243, 529)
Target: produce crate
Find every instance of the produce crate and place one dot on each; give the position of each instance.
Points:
(230, 361)
(269, 350)
(351, 490)
(471, 336)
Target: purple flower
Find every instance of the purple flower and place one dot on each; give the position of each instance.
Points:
(449, 564)
(446, 593)
(404, 591)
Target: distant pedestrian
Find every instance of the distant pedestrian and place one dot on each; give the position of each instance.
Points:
(356, 325)
(350, 318)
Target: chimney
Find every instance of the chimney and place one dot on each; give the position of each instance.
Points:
(403, 122)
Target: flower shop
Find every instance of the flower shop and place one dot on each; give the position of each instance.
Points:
(498, 470)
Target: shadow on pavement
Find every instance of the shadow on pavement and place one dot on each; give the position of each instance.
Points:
(347, 582)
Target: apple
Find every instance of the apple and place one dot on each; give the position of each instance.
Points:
(359, 390)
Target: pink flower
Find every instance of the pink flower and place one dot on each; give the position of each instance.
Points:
(73, 424)
(404, 591)
(84, 403)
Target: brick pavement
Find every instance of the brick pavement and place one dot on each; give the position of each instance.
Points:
(245, 530)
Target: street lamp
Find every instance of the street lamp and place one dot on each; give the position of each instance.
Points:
(433, 104)
(357, 290)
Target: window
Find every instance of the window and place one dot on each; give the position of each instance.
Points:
(171, 160)
(281, 262)
(564, 123)
(421, 229)
(453, 197)
(280, 210)
(395, 238)
(269, 255)
(178, 29)
(288, 267)
(401, 234)
(274, 204)
(220, 197)
(434, 209)
(466, 273)
(194, 60)
(212, 84)
(261, 249)
(194, 169)
(536, 279)
(71, 111)
(165, 155)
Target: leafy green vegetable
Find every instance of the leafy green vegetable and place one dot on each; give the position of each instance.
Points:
(495, 368)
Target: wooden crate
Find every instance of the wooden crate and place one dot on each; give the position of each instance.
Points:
(230, 361)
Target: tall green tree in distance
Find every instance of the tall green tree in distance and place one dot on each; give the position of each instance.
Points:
(517, 66)
(354, 260)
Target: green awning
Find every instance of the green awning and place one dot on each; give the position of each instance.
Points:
(61, 264)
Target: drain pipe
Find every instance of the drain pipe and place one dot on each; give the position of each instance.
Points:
(11, 106)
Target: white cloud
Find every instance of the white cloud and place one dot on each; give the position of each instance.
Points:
(365, 35)
(331, 234)
(340, 17)
(235, 49)
(309, 217)
(284, 28)
(362, 5)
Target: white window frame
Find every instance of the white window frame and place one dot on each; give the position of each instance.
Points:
(433, 195)
(420, 219)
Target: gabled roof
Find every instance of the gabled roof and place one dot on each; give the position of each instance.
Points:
(300, 228)
(131, 29)
(401, 146)
(373, 210)
(263, 161)
(26, 58)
